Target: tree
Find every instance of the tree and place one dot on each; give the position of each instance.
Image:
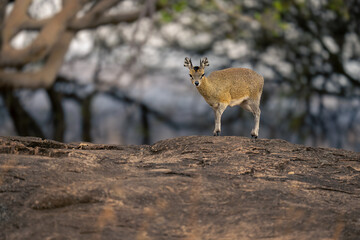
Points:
(54, 36)
(36, 65)
(310, 50)
(317, 41)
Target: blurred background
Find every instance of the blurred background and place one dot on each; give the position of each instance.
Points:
(111, 71)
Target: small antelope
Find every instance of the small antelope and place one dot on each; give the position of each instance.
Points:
(228, 87)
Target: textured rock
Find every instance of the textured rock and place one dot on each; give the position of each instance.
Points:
(182, 188)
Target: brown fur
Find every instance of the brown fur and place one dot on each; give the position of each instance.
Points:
(228, 87)
(231, 84)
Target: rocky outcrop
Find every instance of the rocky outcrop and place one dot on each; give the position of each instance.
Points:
(183, 188)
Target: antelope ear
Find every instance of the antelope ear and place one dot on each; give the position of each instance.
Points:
(204, 62)
(188, 63)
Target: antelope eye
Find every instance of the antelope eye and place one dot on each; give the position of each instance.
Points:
(190, 75)
(202, 75)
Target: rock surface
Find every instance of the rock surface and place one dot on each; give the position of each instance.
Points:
(183, 188)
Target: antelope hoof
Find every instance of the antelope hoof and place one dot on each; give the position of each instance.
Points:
(216, 133)
(254, 134)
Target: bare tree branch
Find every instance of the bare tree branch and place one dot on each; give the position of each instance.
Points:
(43, 78)
(52, 42)
(2, 16)
(94, 18)
(45, 41)
(91, 22)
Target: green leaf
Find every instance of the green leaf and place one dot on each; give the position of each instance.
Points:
(166, 16)
(163, 2)
(283, 25)
(180, 6)
(278, 6)
(257, 16)
(339, 7)
(336, 4)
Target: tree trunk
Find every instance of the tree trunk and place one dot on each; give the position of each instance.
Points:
(145, 128)
(58, 114)
(24, 124)
(86, 118)
(3, 4)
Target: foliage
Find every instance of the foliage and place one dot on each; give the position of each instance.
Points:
(315, 42)
(308, 50)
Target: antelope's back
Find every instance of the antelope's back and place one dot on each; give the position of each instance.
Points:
(238, 81)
